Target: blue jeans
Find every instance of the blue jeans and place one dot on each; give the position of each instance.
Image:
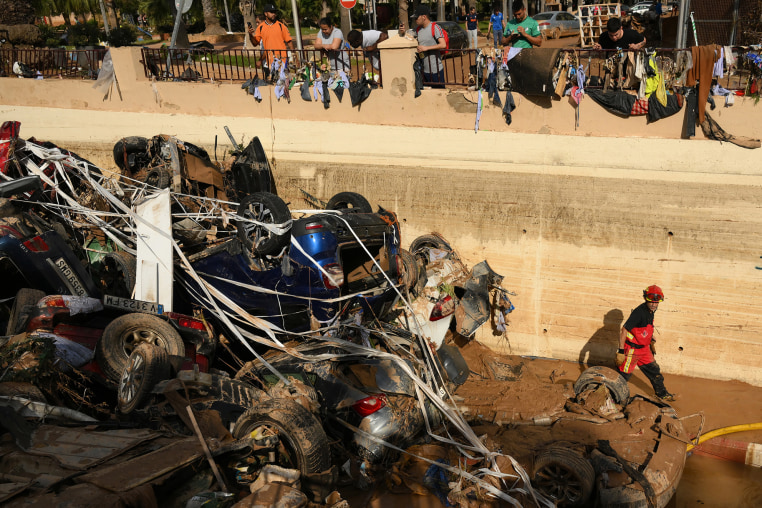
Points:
(497, 35)
(431, 79)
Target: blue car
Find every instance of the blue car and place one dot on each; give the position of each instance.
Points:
(325, 267)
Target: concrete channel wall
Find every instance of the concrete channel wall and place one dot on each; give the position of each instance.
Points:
(579, 220)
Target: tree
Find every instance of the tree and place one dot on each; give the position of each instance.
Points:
(403, 13)
(247, 10)
(211, 20)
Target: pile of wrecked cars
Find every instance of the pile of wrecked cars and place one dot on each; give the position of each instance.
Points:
(210, 344)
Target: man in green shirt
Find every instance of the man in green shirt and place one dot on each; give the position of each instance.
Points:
(522, 31)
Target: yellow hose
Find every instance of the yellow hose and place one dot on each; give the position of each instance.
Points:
(726, 430)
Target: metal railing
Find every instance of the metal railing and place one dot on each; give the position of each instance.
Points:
(460, 70)
(239, 65)
(53, 63)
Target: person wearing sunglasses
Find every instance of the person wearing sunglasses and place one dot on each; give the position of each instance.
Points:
(637, 346)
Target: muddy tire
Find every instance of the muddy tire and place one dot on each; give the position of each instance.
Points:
(598, 375)
(146, 366)
(421, 245)
(159, 178)
(25, 298)
(303, 443)
(126, 147)
(565, 476)
(269, 209)
(349, 201)
(119, 274)
(410, 277)
(124, 334)
(556, 33)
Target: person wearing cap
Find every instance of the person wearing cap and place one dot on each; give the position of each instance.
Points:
(637, 346)
(431, 42)
(616, 37)
(273, 34)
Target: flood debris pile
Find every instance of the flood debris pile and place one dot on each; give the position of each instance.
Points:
(176, 335)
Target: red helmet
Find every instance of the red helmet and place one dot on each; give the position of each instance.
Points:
(653, 294)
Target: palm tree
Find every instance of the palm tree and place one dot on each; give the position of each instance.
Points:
(210, 19)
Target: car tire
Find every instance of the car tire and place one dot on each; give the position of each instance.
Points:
(19, 316)
(126, 146)
(125, 333)
(349, 201)
(594, 376)
(556, 33)
(159, 178)
(269, 209)
(411, 269)
(564, 475)
(146, 366)
(119, 274)
(303, 442)
(421, 245)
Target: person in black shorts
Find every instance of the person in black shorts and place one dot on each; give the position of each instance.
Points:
(617, 37)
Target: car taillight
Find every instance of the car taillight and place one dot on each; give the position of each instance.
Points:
(543, 24)
(313, 225)
(193, 324)
(336, 273)
(52, 301)
(369, 405)
(442, 309)
(36, 244)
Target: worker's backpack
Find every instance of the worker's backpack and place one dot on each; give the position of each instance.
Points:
(446, 37)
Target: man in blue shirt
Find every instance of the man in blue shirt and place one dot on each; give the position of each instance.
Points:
(472, 28)
(522, 31)
(496, 24)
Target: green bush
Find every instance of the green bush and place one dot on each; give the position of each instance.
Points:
(125, 35)
(84, 34)
(49, 36)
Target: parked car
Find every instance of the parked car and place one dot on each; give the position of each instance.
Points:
(457, 35)
(641, 8)
(555, 24)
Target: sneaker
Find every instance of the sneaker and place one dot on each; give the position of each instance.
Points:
(668, 397)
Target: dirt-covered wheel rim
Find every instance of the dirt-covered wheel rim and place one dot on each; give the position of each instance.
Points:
(132, 379)
(286, 454)
(559, 482)
(259, 212)
(137, 335)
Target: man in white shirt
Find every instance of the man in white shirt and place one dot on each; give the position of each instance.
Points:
(368, 40)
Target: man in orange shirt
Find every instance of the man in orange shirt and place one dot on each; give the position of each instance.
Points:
(273, 34)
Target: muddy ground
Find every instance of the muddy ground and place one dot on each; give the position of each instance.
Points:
(706, 481)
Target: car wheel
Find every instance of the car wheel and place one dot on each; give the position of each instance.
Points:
(265, 208)
(25, 298)
(349, 201)
(146, 366)
(565, 476)
(415, 272)
(302, 442)
(159, 178)
(595, 376)
(119, 274)
(127, 146)
(421, 245)
(124, 334)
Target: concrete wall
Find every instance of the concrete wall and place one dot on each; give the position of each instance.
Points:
(579, 221)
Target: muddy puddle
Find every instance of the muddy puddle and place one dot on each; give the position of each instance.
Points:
(712, 482)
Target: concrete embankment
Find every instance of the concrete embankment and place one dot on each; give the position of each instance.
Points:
(578, 224)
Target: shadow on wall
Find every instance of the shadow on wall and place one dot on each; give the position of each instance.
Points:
(601, 348)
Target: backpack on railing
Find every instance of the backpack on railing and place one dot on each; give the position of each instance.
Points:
(446, 37)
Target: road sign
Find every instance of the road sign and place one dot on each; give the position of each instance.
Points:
(348, 3)
(186, 7)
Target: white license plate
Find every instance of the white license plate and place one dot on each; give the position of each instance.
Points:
(132, 305)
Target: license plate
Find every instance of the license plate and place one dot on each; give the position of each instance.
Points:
(131, 305)
(69, 277)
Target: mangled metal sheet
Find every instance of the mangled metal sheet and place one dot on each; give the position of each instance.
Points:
(83, 448)
(155, 278)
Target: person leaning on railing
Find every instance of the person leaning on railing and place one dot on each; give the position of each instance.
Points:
(617, 37)
(274, 36)
(368, 40)
(331, 40)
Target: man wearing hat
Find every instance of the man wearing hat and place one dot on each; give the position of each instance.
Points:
(431, 41)
(273, 34)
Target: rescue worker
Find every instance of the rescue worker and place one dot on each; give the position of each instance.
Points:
(637, 345)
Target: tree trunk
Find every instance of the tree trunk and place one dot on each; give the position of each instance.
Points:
(182, 34)
(116, 15)
(403, 14)
(211, 21)
(440, 10)
(346, 22)
(247, 10)
(325, 9)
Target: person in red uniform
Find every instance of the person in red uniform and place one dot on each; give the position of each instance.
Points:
(637, 346)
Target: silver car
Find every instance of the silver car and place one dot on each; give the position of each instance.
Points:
(555, 24)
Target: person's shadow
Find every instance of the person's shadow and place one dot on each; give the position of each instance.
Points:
(602, 346)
